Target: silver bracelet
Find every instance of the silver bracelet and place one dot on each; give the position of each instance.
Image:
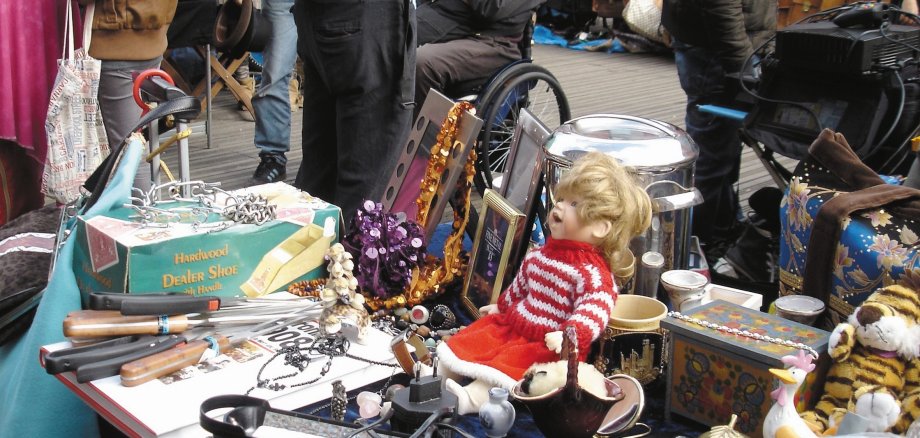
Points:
(744, 333)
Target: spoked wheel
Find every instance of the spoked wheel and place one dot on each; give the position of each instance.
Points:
(523, 86)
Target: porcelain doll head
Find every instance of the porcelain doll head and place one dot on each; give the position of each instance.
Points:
(600, 202)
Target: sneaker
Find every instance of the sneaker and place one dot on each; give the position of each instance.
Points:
(270, 170)
(754, 256)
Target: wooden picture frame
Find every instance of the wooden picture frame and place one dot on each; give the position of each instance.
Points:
(404, 185)
(501, 227)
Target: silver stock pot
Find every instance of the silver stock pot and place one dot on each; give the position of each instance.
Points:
(663, 156)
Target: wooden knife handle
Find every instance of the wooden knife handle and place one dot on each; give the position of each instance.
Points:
(95, 323)
(169, 361)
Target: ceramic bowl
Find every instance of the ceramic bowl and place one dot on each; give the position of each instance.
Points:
(799, 308)
(637, 313)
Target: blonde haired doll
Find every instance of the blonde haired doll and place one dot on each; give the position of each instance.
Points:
(599, 208)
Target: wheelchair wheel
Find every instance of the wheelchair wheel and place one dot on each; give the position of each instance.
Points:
(522, 86)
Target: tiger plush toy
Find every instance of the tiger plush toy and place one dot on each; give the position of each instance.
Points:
(873, 355)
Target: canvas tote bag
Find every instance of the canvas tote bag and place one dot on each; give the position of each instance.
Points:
(77, 141)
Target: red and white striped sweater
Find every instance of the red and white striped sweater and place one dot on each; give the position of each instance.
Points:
(563, 283)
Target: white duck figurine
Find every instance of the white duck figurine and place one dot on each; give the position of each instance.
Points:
(783, 421)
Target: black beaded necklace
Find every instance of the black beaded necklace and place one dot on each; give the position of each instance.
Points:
(300, 358)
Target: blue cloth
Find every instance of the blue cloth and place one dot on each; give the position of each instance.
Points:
(271, 101)
(717, 168)
(545, 36)
(35, 404)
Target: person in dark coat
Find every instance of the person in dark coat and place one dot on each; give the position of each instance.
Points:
(712, 39)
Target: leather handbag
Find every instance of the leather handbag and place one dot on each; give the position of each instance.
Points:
(846, 231)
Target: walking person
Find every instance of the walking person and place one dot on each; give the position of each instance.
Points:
(271, 100)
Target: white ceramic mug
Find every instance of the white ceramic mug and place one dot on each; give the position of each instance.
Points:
(685, 288)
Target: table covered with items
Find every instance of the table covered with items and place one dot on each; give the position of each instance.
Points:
(194, 311)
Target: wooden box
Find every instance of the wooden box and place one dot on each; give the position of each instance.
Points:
(714, 373)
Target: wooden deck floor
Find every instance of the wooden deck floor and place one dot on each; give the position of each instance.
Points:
(632, 84)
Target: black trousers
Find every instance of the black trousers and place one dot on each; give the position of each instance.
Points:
(359, 81)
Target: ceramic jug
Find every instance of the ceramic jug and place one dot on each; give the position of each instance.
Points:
(497, 415)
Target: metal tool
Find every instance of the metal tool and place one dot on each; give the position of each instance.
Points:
(105, 359)
(162, 303)
(108, 358)
(96, 323)
(160, 364)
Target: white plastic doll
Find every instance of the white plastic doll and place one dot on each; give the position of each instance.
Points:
(599, 208)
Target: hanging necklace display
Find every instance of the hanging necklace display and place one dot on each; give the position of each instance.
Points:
(427, 280)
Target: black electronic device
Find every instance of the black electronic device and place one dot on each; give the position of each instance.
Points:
(423, 403)
(867, 15)
(826, 47)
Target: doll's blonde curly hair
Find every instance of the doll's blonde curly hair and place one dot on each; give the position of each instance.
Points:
(611, 192)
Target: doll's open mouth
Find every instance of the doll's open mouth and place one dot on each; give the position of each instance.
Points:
(555, 217)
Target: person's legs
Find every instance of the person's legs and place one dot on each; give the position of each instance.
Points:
(120, 113)
(369, 69)
(271, 100)
(318, 172)
(717, 168)
(439, 65)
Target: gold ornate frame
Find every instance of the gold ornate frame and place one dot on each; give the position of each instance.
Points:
(500, 230)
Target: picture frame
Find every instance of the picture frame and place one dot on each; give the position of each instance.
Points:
(522, 180)
(404, 185)
(500, 230)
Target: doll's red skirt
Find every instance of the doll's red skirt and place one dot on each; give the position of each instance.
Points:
(490, 342)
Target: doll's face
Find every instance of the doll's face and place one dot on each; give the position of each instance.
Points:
(565, 224)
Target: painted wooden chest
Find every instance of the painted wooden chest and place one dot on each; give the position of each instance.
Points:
(714, 373)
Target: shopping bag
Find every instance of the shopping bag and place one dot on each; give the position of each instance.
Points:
(846, 231)
(77, 141)
(644, 18)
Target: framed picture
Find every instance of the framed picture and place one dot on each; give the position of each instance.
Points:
(521, 182)
(500, 231)
(405, 182)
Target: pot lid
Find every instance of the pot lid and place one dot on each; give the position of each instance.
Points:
(636, 142)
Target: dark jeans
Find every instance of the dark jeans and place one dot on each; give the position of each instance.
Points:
(717, 168)
(359, 79)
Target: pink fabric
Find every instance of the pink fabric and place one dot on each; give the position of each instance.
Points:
(31, 37)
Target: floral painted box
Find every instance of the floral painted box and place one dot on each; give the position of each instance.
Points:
(715, 373)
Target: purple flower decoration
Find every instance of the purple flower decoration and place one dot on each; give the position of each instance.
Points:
(385, 249)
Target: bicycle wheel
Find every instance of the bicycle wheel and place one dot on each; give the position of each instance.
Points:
(525, 86)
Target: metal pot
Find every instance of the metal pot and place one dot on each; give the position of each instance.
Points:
(662, 155)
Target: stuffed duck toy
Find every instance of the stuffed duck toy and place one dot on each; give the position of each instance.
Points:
(783, 421)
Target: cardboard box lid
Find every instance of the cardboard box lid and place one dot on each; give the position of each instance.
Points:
(734, 316)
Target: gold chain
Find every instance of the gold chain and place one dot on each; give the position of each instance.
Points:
(428, 278)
